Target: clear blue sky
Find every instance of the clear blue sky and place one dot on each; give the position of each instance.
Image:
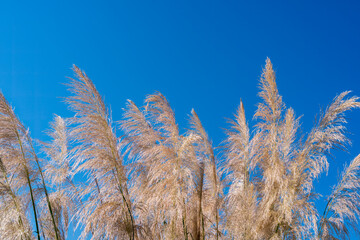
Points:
(200, 54)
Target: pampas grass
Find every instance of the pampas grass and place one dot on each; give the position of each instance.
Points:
(144, 178)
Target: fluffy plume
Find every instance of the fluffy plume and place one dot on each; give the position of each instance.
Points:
(241, 201)
(21, 162)
(343, 206)
(106, 210)
(209, 185)
(59, 174)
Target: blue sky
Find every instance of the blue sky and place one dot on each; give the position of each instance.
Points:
(204, 55)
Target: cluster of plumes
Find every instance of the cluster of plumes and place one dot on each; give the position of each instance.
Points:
(154, 182)
(174, 177)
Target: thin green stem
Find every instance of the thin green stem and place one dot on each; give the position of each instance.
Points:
(28, 179)
(45, 190)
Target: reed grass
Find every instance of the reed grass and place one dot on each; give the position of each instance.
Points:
(144, 178)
